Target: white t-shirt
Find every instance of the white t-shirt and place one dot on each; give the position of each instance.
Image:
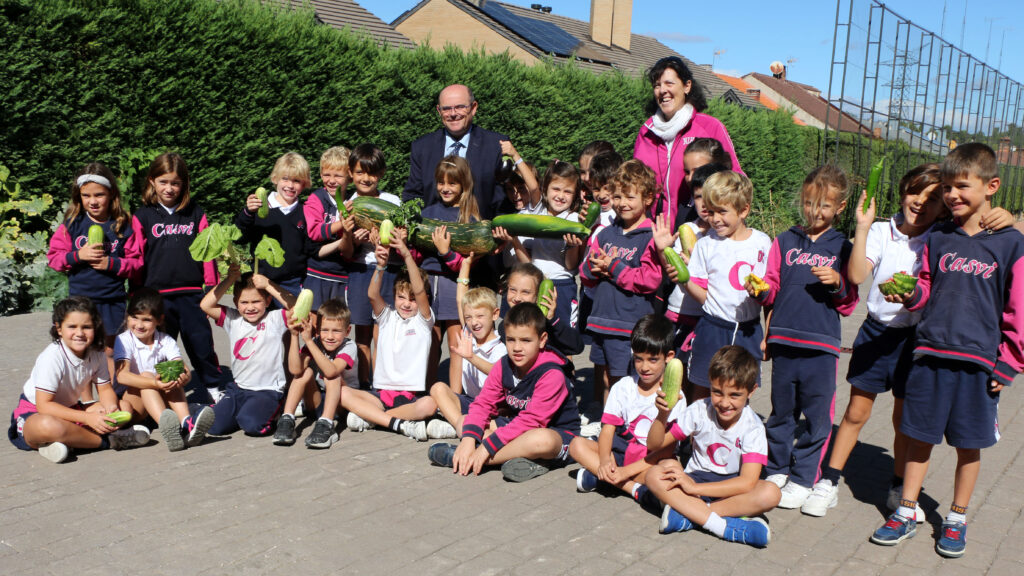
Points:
(58, 371)
(473, 377)
(257, 350)
(364, 251)
(403, 347)
(678, 301)
(636, 411)
(548, 254)
(725, 263)
(714, 449)
(348, 352)
(144, 358)
(891, 251)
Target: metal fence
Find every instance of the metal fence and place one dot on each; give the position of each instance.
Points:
(919, 96)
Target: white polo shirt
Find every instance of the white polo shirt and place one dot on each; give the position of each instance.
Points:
(58, 371)
(403, 348)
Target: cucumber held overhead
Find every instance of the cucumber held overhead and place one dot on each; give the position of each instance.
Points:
(873, 180)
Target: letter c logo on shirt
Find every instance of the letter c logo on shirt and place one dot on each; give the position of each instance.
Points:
(241, 347)
(735, 274)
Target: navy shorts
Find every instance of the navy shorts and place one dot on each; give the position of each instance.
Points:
(324, 290)
(112, 313)
(951, 399)
(464, 402)
(881, 358)
(359, 283)
(683, 342)
(444, 303)
(567, 437)
(586, 305)
(711, 334)
(614, 352)
(706, 477)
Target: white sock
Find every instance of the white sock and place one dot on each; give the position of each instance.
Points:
(289, 414)
(633, 490)
(328, 420)
(906, 512)
(956, 517)
(715, 525)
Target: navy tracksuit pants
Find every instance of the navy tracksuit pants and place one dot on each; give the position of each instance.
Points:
(803, 382)
(183, 315)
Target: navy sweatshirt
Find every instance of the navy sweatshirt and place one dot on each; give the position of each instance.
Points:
(973, 298)
(161, 241)
(83, 279)
(288, 229)
(805, 311)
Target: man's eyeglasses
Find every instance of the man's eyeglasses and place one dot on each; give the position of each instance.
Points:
(460, 108)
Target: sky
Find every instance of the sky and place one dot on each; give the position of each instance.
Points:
(749, 34)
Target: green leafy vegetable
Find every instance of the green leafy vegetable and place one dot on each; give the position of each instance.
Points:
(216, 241)
(270, 251)
(170, 370)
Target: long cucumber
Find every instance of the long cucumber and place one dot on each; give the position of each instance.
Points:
(539, 226)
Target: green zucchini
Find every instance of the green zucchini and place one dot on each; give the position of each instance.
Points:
(96, 235)
(466, 238)
(873, 179)
(339, 199)
(545, 288)
(593, 213)
(676, 261)
(264, 209)
(386, 227)
(539, 226)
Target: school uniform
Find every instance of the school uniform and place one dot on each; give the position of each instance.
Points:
(731, 316)
(140, 357)
(804, 339)
(548, 255)
(326, 276)
(287, 225)
(348, 352)
(682, 310)
(442, 270)
(632, 414)
(473, 378)
(360, 272)
(587, 292)
(403, 349)
(971, 333)
(628, 295)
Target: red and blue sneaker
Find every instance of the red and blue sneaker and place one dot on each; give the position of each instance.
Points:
(895, 530)
(953, 540)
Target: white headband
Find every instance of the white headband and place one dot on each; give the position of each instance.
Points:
(84, 178)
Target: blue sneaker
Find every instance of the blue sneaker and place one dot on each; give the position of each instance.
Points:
(647, 500)
(442, 454)
(953, 541)
(585, 481)
(672, 521)
(895, 530)
(752, 531)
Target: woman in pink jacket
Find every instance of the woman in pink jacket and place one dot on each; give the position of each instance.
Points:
(663, 138)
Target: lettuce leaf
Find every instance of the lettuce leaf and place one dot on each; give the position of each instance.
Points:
(270, 251)
(216, 241)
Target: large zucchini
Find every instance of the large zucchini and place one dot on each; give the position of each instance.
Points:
(539, 226)
(476, 237)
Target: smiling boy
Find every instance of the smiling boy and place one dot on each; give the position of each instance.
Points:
(721, 483)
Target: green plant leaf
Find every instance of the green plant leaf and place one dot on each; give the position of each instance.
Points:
(270, 251)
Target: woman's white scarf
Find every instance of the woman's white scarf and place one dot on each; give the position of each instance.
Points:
(668, 129)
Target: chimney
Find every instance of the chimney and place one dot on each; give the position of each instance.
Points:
(611, 22)
(755, 92)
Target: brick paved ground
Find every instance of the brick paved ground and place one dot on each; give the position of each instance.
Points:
(372, 504)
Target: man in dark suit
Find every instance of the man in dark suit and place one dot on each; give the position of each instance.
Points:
(481, 148)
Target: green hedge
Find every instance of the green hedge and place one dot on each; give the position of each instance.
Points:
(232, 85)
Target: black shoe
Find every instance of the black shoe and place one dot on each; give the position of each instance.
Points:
(285, 434)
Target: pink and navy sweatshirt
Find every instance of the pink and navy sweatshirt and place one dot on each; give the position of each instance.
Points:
(161, 241)
(972, 292)
(542, 399)
(320, 212)
(83, 279)
(806, 312)
(667, 164)
(635, 272)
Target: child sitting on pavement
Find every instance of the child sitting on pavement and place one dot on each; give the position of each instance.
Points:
(721, 484)
(525, 416)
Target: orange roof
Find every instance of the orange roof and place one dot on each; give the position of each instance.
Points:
(742, 85)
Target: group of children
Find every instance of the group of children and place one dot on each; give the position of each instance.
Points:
(509, 394)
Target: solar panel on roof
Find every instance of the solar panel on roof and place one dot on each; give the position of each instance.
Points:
(546, 36)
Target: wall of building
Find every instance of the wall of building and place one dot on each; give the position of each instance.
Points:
(440, 24)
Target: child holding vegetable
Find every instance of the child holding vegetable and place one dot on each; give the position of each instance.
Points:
(367, 165)
(523, 285)
(162, 232)
(809, 288)
(718, 264)
(89, 245)
(719, 490)
(883, 351)
(523, 185)
(557, 258)
(621, 456)
(327, 362)
(525, 415)
(253, 399)
(397, 401)
(326, 269)
(969, 344)
(279, 216)
(49, 416)
(143, 356)
(623, 267)
(700, 152)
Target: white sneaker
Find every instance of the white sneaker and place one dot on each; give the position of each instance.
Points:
(778, 479)
(440, 428)
(793, 495)
(55, 452)
(592, 430)
(215, 393)
(824, 495)
(415, 429)
(300, 410)
(357, 424)
(893, 503)
(133, 437)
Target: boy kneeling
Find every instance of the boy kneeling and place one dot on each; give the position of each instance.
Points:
(525, 412)
(720, 484)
